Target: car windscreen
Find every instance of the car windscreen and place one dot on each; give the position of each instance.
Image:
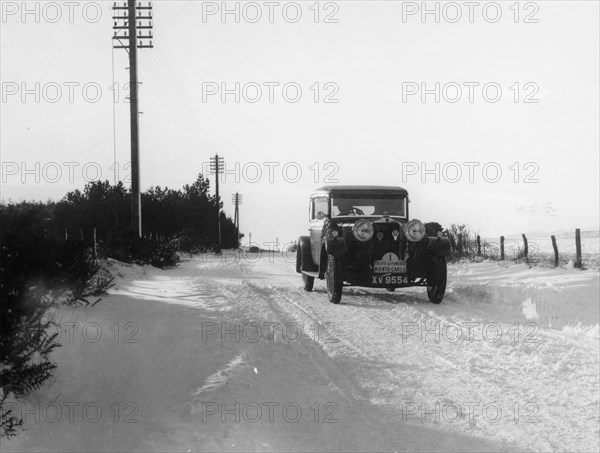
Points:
(391, 205)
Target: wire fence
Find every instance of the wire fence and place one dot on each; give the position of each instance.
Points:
(552, 250)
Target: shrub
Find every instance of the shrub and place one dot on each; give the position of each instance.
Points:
(127, 247)
(432, 228)
(189, 213)
(35, 270)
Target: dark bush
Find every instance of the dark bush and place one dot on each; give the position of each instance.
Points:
(36, 268)
(189, 213)
(432, 228)
(127, 247)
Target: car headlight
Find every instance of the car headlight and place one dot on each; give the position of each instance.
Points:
(363, 230)
(414, 230)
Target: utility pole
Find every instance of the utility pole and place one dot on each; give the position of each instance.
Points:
(216, 165)
(237, 201)
(130, 23)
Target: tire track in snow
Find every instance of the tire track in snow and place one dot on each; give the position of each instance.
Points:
(479, 371)
(341, 371)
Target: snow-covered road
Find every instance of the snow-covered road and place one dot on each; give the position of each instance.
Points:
(225, 354)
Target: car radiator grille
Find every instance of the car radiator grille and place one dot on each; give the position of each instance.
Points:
(362, 255)
(383, 241)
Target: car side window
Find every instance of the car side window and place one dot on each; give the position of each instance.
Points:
(319, 205)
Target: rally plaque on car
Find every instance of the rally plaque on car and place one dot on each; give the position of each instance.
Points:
(390, 267)
(390, 263)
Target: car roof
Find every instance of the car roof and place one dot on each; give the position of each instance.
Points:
(362, 190)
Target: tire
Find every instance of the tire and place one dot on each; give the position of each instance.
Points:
(335, 282)
(309, 282)
(436, 281)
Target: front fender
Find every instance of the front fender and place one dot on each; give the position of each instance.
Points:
(304, 260)
(334, 245)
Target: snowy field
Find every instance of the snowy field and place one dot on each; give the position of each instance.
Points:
(540, 247)
(232, 355)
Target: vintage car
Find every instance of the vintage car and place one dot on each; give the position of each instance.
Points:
(362, 236)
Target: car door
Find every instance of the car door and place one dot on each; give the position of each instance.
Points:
(319, 209)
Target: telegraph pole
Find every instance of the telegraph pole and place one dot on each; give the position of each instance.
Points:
(131, 25)
(216, 164)
(136, 197)
(237, 201)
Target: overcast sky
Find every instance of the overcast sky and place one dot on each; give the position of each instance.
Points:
(365, 64)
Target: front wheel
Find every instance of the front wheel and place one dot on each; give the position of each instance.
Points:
(436, 281)
(309, 282)
(335, 281)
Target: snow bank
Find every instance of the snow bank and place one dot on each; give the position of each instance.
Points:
(564, 299)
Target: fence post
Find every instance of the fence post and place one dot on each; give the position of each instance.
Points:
(555, 247)
(95, 248)
(578, 262)
(452, 240)
(478, 246)
(460, 245)
(501, 248)
(525, 247)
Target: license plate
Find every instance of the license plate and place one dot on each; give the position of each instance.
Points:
(386, 267)
(389, 280)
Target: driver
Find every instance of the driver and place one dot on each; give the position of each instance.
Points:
(345, 206)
